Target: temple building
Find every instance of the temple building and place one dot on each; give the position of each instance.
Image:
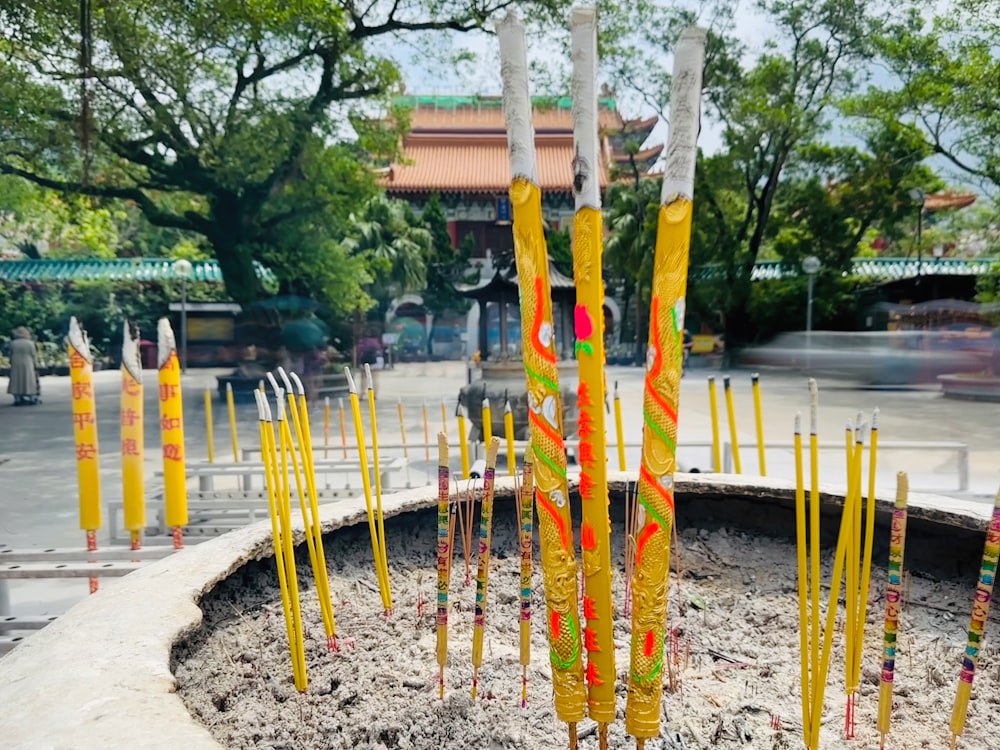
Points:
(457, 147)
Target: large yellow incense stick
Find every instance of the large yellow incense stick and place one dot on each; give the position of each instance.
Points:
(713, 408)
(443, 558)
(664, 362)
(977, 625)
(377, 470)
(759, 419)
(88, 470)
(544, 407)
(231, 411)
(508, 431)
(274, 490)
(487, 422)
(803, 580)
(463, 443)
(366, 484)
(209, 427)
(619, 432)
(814, 562)
(595, 529)
(731, 414)
(525, 537)
(893, 602)
(131, 420)
(483, 560)
(172, 432)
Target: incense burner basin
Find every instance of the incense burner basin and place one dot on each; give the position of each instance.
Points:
(107, 673)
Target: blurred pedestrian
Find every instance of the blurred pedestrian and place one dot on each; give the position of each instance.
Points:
(23, 384)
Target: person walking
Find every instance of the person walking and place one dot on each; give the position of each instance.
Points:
(23, 384)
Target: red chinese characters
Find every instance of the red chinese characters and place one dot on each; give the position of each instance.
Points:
(170, 423)
(129, 417)
(587, 485)
(168, 391)
(173, 452)
(82, 420)
(86, 452)
(587, 458)
(82, 391)
(130, 447)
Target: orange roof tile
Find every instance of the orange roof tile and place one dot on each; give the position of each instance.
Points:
(491, 119)
(938, 201)
(478, 166)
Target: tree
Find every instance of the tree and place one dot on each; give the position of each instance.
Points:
(207, 116)
(944, 72)
(445, 264)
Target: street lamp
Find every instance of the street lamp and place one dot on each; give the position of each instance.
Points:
(919, 197)
(183, 270)
(811, 265)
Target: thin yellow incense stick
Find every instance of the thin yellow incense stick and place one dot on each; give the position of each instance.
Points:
(866, 565)
(713, 408)
(231, 409)
(308, 502)
(343, 426)
(801, 550)
(463, 442)
(731, 414)
(326, 427)
(487, 422)
(270, 460)
(285, 514)
(851, 587)
(893, 601)
(819, 680)
(759, 418)
(814, 567)
(443, 558)
(209, 429)
(402, 435)
(619, 432)
(366, 484)
(483, 560)
(323, 578)
(444, 417)
(508, 430)
(427, 434)
(378, 484)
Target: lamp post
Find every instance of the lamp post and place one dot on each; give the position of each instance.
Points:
(183, 270)
(919, 197)
(811, 265)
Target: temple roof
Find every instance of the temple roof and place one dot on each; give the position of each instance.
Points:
(505, 279)
(939, 201)
(484, 114)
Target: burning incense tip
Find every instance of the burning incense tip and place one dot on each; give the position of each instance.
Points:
(875, 419)
(368, 378)
(798, 423)
(299, 388)
(506, 408)
(754, 378)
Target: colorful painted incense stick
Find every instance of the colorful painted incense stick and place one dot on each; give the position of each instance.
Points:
(483, 560)
(525, 536)
(664, 360)
(81, 370)
(893, 603)
(595, 529)
(366, 484)
(977, 625)
(131, 421)
(172, 432)
(444, 530)
(544, 408)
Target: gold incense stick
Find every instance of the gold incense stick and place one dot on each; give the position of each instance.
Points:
(483, 560)
(209, 428)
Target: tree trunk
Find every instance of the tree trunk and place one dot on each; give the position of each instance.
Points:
(238, 272)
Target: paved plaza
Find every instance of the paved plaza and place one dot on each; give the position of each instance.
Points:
(38, 500)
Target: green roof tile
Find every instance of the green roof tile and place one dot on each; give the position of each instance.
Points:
(117, 269)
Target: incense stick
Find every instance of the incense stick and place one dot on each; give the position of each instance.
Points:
(893, 602)
(483, 561)
(443, 559)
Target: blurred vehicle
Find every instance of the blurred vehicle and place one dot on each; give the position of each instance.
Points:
(877, 357)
